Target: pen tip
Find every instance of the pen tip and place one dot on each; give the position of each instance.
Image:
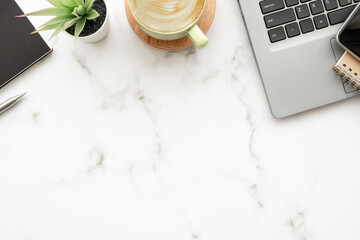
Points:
(20, 95)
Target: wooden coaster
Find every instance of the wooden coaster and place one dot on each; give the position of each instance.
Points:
(175, 45)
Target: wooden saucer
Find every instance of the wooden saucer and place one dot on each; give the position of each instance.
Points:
(175, 45)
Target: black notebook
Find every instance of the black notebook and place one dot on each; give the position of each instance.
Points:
(19, 49)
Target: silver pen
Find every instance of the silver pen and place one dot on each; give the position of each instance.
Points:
(10, 102)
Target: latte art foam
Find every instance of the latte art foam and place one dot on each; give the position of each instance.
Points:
(167, 15)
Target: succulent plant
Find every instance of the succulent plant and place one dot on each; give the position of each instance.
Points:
(66, 13)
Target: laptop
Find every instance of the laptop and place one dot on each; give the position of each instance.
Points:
(295, 49)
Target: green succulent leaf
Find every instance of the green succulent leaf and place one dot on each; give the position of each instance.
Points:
(69, 3)
(70, 23)
(92, 15)
(80, 3)
(74, 13)
(89, 4)
(56, 3)
(59, 19)
(66, 14)
(58, 30)
(47, 27)
(53, 11)
(79, 27)
(80, 10)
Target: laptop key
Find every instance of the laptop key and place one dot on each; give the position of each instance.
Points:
(290, 3)
(316, 7)
(331, 4)
(276, 34)
(279, 18)
(340, 15)
(268, 6)
(306, 26)
(292, 30)
(304, 1)
(345, 2)
(321, 21)
(302, 11)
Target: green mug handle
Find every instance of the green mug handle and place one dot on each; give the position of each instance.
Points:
(198, 37)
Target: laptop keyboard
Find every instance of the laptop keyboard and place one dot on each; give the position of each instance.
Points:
(291, 18)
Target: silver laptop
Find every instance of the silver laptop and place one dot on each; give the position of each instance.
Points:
(295, 48)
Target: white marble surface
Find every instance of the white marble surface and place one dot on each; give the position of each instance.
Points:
(117, 140)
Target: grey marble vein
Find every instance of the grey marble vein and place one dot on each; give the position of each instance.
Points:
(97, 155)
(81, 63)
(113, 101)
(130, 171)
(36, 117)
(151, 115)
(194, 235)
(254, 192)
(297, 225)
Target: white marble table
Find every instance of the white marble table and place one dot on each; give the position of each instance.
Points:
(117, 140)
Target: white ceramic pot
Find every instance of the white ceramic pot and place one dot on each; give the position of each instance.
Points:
(99, 34)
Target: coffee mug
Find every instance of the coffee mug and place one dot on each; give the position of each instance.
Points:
(170, 19)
